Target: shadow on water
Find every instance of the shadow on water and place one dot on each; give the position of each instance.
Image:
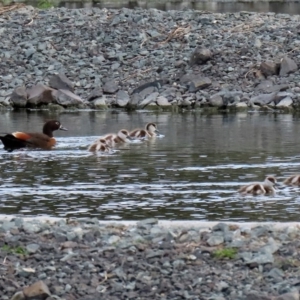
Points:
(192, 172)
(213, 6)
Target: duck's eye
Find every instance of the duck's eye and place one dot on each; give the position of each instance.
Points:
(57, 123)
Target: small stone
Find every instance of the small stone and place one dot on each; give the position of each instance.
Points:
(61, 82)
(113, 239)
(287, 66)
(200, 56)
(215, 240)
(32, 248)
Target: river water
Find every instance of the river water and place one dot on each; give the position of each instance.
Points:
(191, 172)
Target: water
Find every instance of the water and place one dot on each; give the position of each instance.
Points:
(191, 173)
(213, 6)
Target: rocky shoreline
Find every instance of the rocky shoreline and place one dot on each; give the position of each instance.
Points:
(139, 58)
(84, 259)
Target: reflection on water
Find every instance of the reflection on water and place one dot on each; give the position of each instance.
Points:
(213, 6)
(193, 172)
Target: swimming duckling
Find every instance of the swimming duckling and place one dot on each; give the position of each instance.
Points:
(293, 180)
(100, 145)
(149, 131)
(113, 139)
(257, 188)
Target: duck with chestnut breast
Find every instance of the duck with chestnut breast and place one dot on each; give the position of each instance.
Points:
(257, 188)
(149, 131)
(45, 140)
(100, 145)
(293, 180)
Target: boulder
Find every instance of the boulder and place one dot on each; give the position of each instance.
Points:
(269, 68)
(285, 102)
(149, 99)
(263, 99)
(155, 85)
(39, 94)
(61, 82)
(162, 101)
(287, 66)
(66, 98)
(122, 98)
(110, 87)
(199, 83)
(216, 100)
(99, 102)
(96, 93)
(18, 97)
(38, 290)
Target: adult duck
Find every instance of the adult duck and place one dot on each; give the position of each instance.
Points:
(44, 140)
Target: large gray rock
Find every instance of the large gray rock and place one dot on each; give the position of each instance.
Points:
(40, 94)
(110, 87)
(263, 99)
(66, 98)
(199, 83)
(269, 68)
(287, 66)
(18, 97)
(122, 98)
(61, 82)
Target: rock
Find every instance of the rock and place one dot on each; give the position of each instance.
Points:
(162, 101)
(269, 68)
(38, 290)
(149, 99)
(61, 82)
(199, 84)
(18, 296)
(153, 85)
(216, 100)
(110, 87)
(66, 98)
(285, 102)
(99, 102)
(263, 99)
(18, 97)
(32, 248)
(200, 56)
(122, 98)
(287, 66)
(258, 296)
(39, 94)
(96, 93)
(288, 296)
(215, 240)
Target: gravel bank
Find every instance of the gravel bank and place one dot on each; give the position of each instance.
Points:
(148, 58)
(84, 259)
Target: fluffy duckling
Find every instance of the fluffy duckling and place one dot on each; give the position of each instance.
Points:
(256, 188)
(113, 139)
(100, 145)
(149, 131)
(293, 180)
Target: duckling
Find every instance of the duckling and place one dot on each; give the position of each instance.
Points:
(256, 188)
(113, 139)
(293, 180)
(149, 131)
(100, 145)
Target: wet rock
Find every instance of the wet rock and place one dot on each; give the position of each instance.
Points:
(269, 68)
(39, 94)
(285, 102)
(99, 103)
(200, 56)
(96, 93)
(38, 290)
(122, 98)
(110, 87)
(162, 101)
(18, 97)
(66, 98)
(61, 82)
(287, 66)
